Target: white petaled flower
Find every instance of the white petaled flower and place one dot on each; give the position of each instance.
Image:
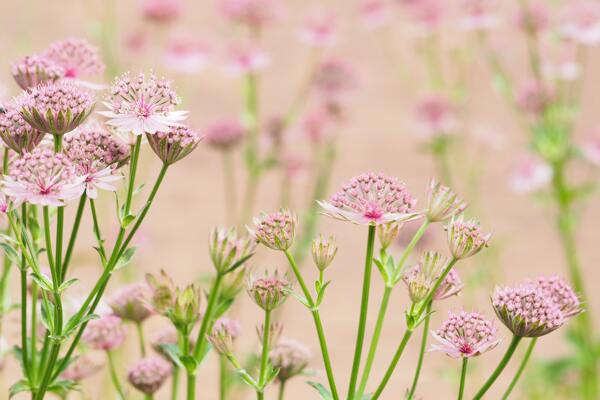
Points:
(142, 105)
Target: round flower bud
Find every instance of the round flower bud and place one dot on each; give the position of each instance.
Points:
(148, 374)
(442, 203)
(227, 250)
(465, 238)
(131, 302)
(323, 252)
(276, 231)
(268, 292)
(290, 357)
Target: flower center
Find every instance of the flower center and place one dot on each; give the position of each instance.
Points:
(373, 212)
(71, 72)
(465, 348)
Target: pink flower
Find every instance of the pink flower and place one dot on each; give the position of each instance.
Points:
(162, 11)
(435, 116)
(318, 30)
(95, 153)
(561, 294)
(148, 374)
(591, 150)
(186, 55)
(232, 326)
(256, 14)
(534, 18)
(42, 177)
(465, 335)
(246, 60)
(174, 144)
(535, 97)
(373, 13)
(334, 79)
(104, 333)
(317, 125)
(465, 238)
(290, 357)
(34, 70)
(269, 291)
(276, 231)
(82, 367)
(56, 108)
(16, 133)
(427, 13)
(132, 302)
(421, 277)
(223, 334)
(530, 175)
(478, 15)
(142, 105)
(371, 198)
(224, 134)
(76, 56)
(565, 67)
(581, 22)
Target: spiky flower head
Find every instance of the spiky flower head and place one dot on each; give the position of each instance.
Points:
(290, 357)
(142, 104)
(528, 310)
(163, 291)
(275, 330)
(42, 177)
(34, 70)
(16, 133)
(104, 333)
(56, 107)
(253, 13)
(268, 291)
(442, 203)
(387, 233)
(421, 278)
(228, 250)
(148, 374)
(174, 144)
(82, 367)
(465, 237)
(276, 231)
(76, 56)
(224, 134)
(466, 334)
(323, 251)
(561, 293)
(372, 199)
(132, 302)
(223, 334)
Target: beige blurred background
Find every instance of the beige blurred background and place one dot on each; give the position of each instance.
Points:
(377, 136)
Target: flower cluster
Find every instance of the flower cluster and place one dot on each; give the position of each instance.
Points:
(421, 277)
(465, 238)
(77, 57)
(223, 334)
(174, 144)
(227, 250)
(34, 70)
(276, 231)
(148, 374)
(269, 291)
(224, 134)
(290, 357)
(467, 334)
(16, 133)
(104, 333)
(132, 302)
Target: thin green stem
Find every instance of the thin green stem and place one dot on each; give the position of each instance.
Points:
(132, 173)
(507, 356)
(411, 245)
(140, 332)
(60, 219)
(24, 346)
(97, 231)
(281, 392)
(392, 366)
(223, 376)
(175, 383)
(34, 323)
(425, 333)
(48, 239)
(73, 237)
(517, 376)
(114, 376)
(463, 377)
(206, 324)
(264, 358)
(437, 284)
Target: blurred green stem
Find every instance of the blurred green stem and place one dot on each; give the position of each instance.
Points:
(463, 377)
(140, 331)
(264, 358)
(517, 376)
(415, 382)
(505, 359)
(392, 366)
(114, 376)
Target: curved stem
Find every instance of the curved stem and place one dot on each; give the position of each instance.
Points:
(515, 379)
(392, 366)
(463, 377)
(415, 382)
(509, 352)
(206, 324)
(364, 306)
(114, 376)
(140, 331)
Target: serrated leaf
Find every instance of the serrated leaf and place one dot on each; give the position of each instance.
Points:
(19, 387)
(325, 394)
(125, 258)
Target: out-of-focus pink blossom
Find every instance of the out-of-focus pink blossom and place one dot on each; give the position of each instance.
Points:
(564, 66)
(530, 175)
(162, 11)
(534, 97)
(186, 55)
(429, 14)
(81, 368)
(581, 22)
(591, 151)
(435, 116)
(373, 13)
(334, 79)
(224, 134)
(104, 333)
(246, 59)
(76, 56)
(136, 42)
(34, 70)
(319, 29)
(478, 15)
(255, 14)
(148, 374)
(317, 125)
(534, 18)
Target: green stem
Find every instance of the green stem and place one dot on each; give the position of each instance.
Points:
(223, 374)
(206, 324)
(392, 366)
(48, 240)
(140, 331)
(437, 284)
(114, 376)
(34, 322)
(132, 172)
(97, 231)
(411, 246)
(24, 345)
(281, 391)
(60, 219)
(375, 339)
(73, 237)
(175, 383)
(364, 306)
(515, 379)
(415, 382)
(463, 377)
(264, 358)
(509, 352)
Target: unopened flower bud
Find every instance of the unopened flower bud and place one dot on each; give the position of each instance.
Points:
(232, 284)
(268, 292)
(465, 238)
(276, 231)
(223, 334)
(163, 291)
(323, 252)
(387, 233)
(186, 309)
(442, 203)
(227, 249)
(275, 330)
(421, 278)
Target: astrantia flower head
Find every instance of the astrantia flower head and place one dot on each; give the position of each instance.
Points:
(465, 237)
(276, 230)
(34, 70)
(254, 13)
(162, 11)
(421, 278)
(174, 144)
(82, 367)
(527, 310)
(371, 198)
(323, 252)
(224, 134)
(104, 333)
(228, 250)
(561, 294)
(334, 79)
(319, 29)
(535, 97)
(442, 203)
(16, 133)
(290, 357)
(530, 175)
(142, 104)
(42, 177)
(581, 22)
(246, 59)
(148, 374)
(132, 302)
(533, 18)
(95, 152)
(269, 291)
(467, 334)
(181, 306)
(76, 56)
(275, 330)
(56, 108)
(435, 116)
(223, 334)
(186, 55)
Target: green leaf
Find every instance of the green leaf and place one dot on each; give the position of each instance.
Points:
(62, 387)
(19, 387)
(125, 258)
(128, 219)
(190, 364)
(11, 253)
(325, 394)
(47, 314)
(222, 308)
(76, 321)
(321, 292)
(173, 352)
(66, 284)
(42, 281)
(247, 378)
(239, 263)
(271, 374)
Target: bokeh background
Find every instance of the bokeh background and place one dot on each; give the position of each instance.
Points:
(378, 134)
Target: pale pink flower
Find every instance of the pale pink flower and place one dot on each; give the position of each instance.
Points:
(334, 79)
(162, 11)
(104, 333)
(530, 175)
(16, 133)
(276, 231)
(76, 56)
(255, 14)
(435, 116)
(148, 374)
(174, 144)
(290, 357)
(561, 294)
(142, 104)
(429, 14)
(534, 18)
(186, 55)
(294, 166)
(95, 153)
(318, 29)
(371, 198)
(421, 278)
(232, 326)
(136, 42)
(465, 238)
(132, 302)
(246, 60)
(34, 70)
(478, 15)
(317, 125)
(42, 177)
(269, 291)
(534, 97)
(224, 134)
(590, 150)
(466, 334)
(565, 67)
(56, 108)
(81, 368)
(581, 22)
(4, 203)
(373, 13)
